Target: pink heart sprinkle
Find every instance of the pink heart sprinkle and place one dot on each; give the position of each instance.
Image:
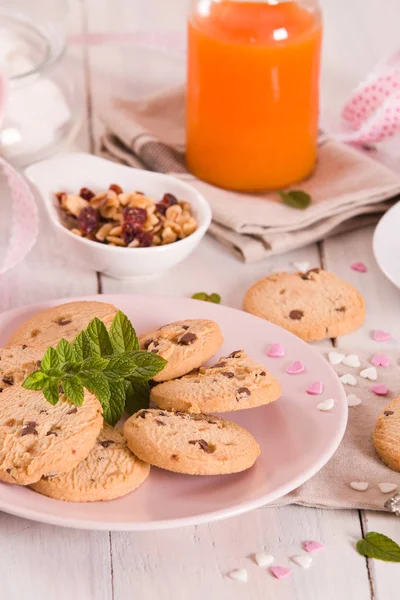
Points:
(359, 266)
(381, 336)
(276, 351)
(380, 389)
(280, 572)
(380, 360)
(315, 388)
(295, 368)
(313, 546)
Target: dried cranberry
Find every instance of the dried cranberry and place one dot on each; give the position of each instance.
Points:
(145, 238)
(88, 219)
(114, 187)
(86, 194)
(134, 215)
(128, 233)
(167, 201)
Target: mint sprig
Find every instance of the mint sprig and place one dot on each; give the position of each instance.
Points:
(108, 364)
(214, 298)
(377, 545)
(296, 199)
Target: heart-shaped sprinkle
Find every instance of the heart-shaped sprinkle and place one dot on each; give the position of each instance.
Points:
(303, 560)
(276, 351)
(316, 388)
(327, 405)
(386, 488)
(335, 358)
(239, 575)
(313, 546)
(295, 368)
(280, 572)
(380, 389)
(351, 360)
(352, 400)
(380, 360)
(369, 373)
(348, 379)
(301, 266)
(359, 266)
(381, 336)
(263, 560)
(359, 486)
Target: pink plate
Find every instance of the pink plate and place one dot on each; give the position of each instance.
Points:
(296, 439)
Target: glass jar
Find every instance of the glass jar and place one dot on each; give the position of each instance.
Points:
(43, 108)
(253, 91)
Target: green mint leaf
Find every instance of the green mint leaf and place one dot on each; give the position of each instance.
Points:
(97, 384)
(64, 351)
(94, 363)
(81, 347)
(122, 334)
(56, 373)
(137, 394)
(50, 360)
(147, 364)
(200, 296)
(377, 545)
(114, 408)
(121, 366)
(296, 199)
(35, 381)
(215, 298)
(99, 339)
(50, 391)
(73, 389)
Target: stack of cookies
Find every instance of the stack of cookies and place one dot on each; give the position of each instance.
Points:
(68, 453)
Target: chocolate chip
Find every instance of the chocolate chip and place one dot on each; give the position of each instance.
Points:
(63, 322)
(194, 371)
(306, 275)
(208, 448)
(262, 374)
(42, 411)
(72, 411)
(296, 315)
(8, 471)
(39, 363)
(187, 339)
(242, 393)
(228, 374)
(387, 413)
(159, 422)
(106, 443)
(341, 309)
(24, 346)
(30, 428)
(1, 389)
(185, 327)
(235, 354)
(174, 457)
(143, 414)
(218, 365)
(52, 433)
(8, 379)
(148, 342)
(60, 389)
(162, 414)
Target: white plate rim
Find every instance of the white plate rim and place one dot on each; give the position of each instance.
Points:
(387, 216)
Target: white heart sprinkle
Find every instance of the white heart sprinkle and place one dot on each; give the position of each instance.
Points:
(263, 559)
(349, 379)
(369, 373)
(360, 486)
(303, 560)
(301, 266)
(239, 575)
(386, 488)
(352, 400)
(327, 405)
(335, 358)
(351, 360)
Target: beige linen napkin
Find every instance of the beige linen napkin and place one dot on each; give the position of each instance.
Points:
(355, 459)
(347, 187)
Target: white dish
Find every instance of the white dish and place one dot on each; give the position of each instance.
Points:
(386, 244)
(296, 438)
(70, 172)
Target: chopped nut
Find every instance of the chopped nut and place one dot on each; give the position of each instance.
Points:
(173, 212)
(73, 204)
(104, 231)
(168, 236)
(117, 241)
(116, 230)
(190, 226)
(76, 231)
(98, 200)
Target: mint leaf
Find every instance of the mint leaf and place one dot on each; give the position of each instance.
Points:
(64, 351)
(114, 408)
(50, 360)
(57, 373)
(122, 334)
(94, 363)
(50, 391)
(73, 389)
(215, 298)
(147, 364)
(137, 395)
(200, 296)
(99, 339)
(376, 545)
(81, 347)
(121, 366)
(35, 381)
(97, 384)
(296, 199)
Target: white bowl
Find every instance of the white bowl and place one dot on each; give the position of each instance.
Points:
(70, 172)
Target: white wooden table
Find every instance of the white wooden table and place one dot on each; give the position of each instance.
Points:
(43, 562)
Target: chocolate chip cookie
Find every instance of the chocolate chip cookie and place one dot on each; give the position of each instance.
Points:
(233, 383)
(191, 444)
(109, 471)
(184, 344)
(387, 435)
(313, 305)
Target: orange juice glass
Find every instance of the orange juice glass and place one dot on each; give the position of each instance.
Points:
(252, 92)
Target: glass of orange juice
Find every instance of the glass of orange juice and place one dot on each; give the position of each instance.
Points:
(253, 92)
